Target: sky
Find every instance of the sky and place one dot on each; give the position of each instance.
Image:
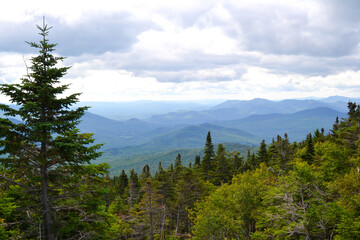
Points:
(191, 49)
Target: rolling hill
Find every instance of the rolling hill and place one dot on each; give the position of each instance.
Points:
(120, 133)
(238, 109)
(296, 125)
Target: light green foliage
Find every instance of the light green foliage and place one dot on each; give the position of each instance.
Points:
(298, 207)
(347, 187)
(7, 206)
(231, 211)
(333, 159)
(119, 229)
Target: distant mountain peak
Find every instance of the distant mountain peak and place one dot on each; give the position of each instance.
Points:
(134, 120)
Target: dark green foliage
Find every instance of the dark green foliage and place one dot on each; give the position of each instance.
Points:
(197, 162)
(262, 154)
(251, 161)
(319, 136)
(145, 173)
(237, 162)
(123, 183)
(207, 161)
(280, 152)
(348, 130)
(309, 154)
(222, 170)
(178, 165)
(46, 155)
(134, 188)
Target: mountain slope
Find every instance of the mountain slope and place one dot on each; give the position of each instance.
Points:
(193, 136)
(142, 109)
(296, 125)
(187, 137)
(237, 109)
(119, 133)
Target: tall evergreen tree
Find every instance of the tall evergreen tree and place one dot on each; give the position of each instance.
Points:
(145, 174)
(309, 154)
(197, 162)
(335, 126)
(207, 161)
(178, 166)
(123, 183)
(45, 154)
(222, 169)
(262, 154)
(237, 162)
(134, 187)
(151, 212)
(250, 160)
(280, 152)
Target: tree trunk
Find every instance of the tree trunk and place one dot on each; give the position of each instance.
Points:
(177, 220)
(150, 215)
(163, 219)
(48, 235)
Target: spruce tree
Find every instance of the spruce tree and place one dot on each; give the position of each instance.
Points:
(145, 174)
(309, 154)
(45, 155)
(134, 187)
(237, 162)
(197, 161)
(262, 154)
(123, 183)
(207, 161)
(222, 169)
(178, 165)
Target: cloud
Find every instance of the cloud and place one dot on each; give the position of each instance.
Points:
(95, 34)
(12, 67)
(192, 49)
(126, 86)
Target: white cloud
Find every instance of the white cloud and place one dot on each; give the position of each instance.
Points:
(112, 85)
(172, 42)
(256, 82)
(127, 50)
(12, 67)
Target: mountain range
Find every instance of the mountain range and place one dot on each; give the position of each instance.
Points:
(235, 121)
(246, 122)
